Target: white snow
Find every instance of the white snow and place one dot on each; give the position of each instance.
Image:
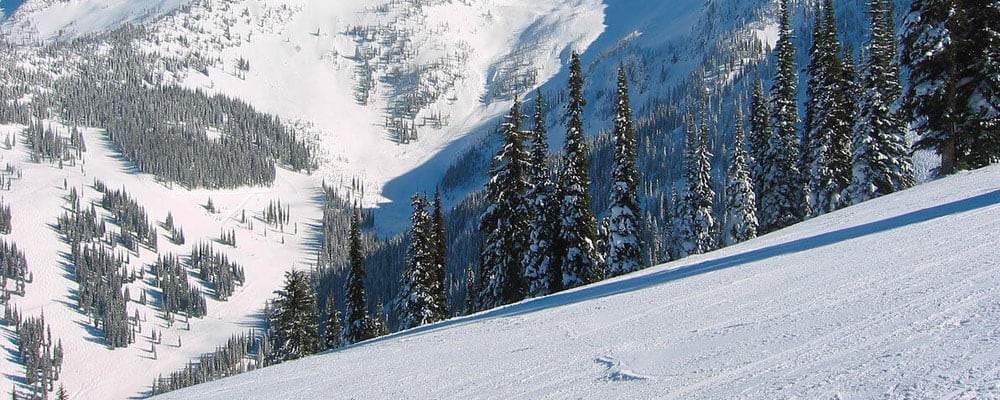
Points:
(90, 369)
(895, 298)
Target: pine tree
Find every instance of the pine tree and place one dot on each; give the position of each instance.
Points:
(504, 224)
(294, 330)
(624, 247)
(760, 135)
(695, 220)
(333, 329)
(578, 260)
(782, 199)
(880, 155)
(826, 152)
(541, 272)
(419, 301)
(741, 203)
(358, 322)
(953, 51)
(440, 265)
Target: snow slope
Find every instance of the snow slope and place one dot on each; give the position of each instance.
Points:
(894, 298)
(91, 370)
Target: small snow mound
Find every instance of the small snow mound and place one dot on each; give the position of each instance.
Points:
(616, 373)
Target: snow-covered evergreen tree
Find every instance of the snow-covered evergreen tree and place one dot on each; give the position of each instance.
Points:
(760, 134)
(953, 51)
(504, 224)
(782, 200)
(575, 248)
(333, 328)
(541, 274)
(440, 264)
(419, 300)
(695, 221)
(623, 241)
(294, 329)
(359, 324)
(826, 152)
(880, 154)
(741, 203)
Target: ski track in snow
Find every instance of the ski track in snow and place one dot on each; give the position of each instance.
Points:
(894, 298)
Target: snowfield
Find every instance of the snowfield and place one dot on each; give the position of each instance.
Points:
(895, 298)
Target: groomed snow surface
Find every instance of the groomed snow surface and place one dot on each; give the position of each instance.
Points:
(895, 298)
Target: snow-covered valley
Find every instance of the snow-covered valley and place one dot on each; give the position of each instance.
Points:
(894, 298)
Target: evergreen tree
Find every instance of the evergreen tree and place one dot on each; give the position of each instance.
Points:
(358, 322)
(741, 203)
(782, 199)
(294, 330)
(333, 329)
(440, 265)
(578, 259)
(826, 152)
(624, 248)
(881, 158)
(953, 51)
(419, 301)
(541, 275)
(760, 135)
(504, 224)
(695, 221)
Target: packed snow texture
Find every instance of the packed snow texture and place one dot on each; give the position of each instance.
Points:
(894, 298)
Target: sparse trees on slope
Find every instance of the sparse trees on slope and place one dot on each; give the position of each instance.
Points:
(741, 203)
(575, 247)
(504, 224)
(294, 330)
(782, 199)
(624, 248)
(881, 157)
(541, 273)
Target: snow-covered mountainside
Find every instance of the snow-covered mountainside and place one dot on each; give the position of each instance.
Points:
(387, 98)
(894, 298)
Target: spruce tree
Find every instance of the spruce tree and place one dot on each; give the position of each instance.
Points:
(575, 250)
(782, 199)
(333, 329)
(741, 203)
(826, 154)
(358, 322)
(541, 273)
(440, 265)
(504, 224)
(294, 330)
(760, 135)
(419, 302)
(953, 51)
(880, 154)
(624, 247)
(695, 220)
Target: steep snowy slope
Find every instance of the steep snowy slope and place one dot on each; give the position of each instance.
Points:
(895, 298)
